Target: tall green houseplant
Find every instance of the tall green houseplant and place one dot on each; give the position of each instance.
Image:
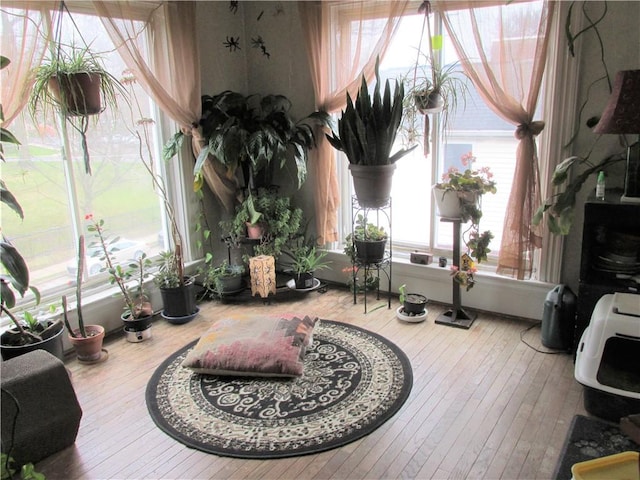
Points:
(366, 134)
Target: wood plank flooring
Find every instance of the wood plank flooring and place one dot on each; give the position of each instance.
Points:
(483, 404)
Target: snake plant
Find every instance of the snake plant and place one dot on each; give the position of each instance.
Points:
(368, 127)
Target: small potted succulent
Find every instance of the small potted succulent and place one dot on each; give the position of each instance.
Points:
(413, 306)
(412, 303)
(367, 243)
(223, 279)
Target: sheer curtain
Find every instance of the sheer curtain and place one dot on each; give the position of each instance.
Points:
(503, 48)
(25, 40)
(355, 53)
(172, 77)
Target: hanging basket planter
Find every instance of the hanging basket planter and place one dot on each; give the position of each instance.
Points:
(77, 93)
(431, 102)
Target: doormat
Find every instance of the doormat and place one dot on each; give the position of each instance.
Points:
(590, 438)
(354, 381)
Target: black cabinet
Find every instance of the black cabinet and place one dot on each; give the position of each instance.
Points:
(610, 255)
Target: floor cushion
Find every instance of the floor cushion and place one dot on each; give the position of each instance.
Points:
(253, 345)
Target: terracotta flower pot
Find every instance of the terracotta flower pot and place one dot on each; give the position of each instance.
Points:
(254, 231)
(88, 349)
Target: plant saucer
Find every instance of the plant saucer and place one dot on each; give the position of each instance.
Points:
(421, 317)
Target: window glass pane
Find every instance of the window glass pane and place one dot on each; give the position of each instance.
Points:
(56, 193)
(473, 127)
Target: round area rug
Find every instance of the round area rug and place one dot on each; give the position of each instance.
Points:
(354, 380)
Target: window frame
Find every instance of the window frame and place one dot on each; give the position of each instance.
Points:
(96, 289)
(548, 260)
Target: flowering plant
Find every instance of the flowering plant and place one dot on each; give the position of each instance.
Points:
(136, 301)
(464, 277)
(470, 180)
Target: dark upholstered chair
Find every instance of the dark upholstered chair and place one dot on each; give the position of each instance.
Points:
(40, 410)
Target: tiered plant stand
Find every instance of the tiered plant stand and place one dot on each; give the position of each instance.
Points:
(457, 316)
(381, 268)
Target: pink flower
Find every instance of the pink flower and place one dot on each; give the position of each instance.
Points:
(88, 216)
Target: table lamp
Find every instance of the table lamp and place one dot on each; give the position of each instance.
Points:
(622, 116)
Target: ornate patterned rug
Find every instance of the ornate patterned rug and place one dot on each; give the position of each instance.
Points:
(590, 438)
(354, 380)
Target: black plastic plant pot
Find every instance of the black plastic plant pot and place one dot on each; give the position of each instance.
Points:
(52, 344)
(179, 301)
(368, 251)
(135, 324)
(414, 303)
(304, 280)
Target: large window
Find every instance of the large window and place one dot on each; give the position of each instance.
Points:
(472, 127)
(46, 174)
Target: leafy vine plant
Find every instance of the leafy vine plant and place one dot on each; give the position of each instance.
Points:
(558, 208)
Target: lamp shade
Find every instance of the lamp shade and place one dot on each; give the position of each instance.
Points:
(622, 112)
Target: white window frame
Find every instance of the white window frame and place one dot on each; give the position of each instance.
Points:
(101, 300)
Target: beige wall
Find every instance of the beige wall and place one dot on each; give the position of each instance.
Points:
(621, 37)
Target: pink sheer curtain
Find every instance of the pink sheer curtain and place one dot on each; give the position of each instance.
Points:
(503, 49)
(172, 77)
(25, 40)
(355, 49)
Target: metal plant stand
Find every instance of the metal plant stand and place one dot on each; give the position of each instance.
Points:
(382, 268)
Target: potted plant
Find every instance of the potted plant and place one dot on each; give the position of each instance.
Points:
(29, 334)
(280, 222)
(367, 242)
(413, 308)
(86, 339)
(73, 82)
(412, 303)
(138, 311)
(366, 134)
(223, 279)
(458, 196)
(177, 291)
(306, 261)
(252, 136)
(559, 207)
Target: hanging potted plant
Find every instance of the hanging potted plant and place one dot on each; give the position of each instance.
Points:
(432, 88)
(366, 134)
(86, 339)
(73, 82)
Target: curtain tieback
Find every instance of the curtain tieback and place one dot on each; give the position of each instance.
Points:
(192, 131)
(529, 129)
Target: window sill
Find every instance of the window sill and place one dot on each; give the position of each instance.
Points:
(493, 293)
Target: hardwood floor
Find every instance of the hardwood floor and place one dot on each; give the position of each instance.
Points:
(483, 405)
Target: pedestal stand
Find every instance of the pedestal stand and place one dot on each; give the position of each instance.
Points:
(457, 316)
